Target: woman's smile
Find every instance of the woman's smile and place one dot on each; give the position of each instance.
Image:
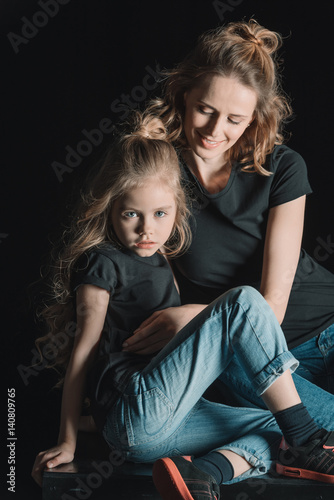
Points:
(208, 143)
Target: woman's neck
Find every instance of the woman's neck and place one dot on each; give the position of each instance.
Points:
(213, 174)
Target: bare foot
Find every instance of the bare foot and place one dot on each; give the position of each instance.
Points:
(87, 424)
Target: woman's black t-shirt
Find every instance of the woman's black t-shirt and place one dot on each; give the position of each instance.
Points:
(138, 287)
(229, 231)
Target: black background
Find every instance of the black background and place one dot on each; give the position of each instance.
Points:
(63, 80)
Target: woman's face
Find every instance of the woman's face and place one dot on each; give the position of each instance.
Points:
(216, 115)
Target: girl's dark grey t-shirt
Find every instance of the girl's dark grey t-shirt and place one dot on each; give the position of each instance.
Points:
(138, 287)
(229, 231)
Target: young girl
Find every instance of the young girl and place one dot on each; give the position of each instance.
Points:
(113, 272)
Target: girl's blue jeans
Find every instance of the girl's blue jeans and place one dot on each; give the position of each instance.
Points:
(314, 379)
(162, 411)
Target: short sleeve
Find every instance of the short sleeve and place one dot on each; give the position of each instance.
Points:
(290, 177)
(95, 269)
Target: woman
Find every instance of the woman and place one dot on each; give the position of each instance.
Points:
(225, 112)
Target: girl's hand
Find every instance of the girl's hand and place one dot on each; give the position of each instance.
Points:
(61, 454)
(157, 330)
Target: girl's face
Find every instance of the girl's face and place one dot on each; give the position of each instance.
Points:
(216, 115)
(143, 219)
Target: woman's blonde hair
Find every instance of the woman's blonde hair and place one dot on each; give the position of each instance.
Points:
(247, 52)
(136, 156)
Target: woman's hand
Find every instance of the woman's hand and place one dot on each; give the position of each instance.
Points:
(157, 330)
(61, 454)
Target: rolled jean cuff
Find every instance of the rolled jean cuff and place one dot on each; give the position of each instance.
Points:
(276, 368)
(259, 466)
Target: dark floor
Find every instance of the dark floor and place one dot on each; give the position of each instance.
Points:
(108, 477)
(82, 481)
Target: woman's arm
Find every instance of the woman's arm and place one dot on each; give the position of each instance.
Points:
(92, 303)
(281, 253)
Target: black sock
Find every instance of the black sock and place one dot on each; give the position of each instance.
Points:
(296, 424)
(217, 465)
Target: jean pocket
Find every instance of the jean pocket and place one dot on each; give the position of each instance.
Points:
(148, 416)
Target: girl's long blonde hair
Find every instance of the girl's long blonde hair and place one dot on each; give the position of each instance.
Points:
(247, 52)
(136, 156)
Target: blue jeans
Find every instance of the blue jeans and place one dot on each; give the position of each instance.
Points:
(162, 411)
(314, 380)
(316, 360)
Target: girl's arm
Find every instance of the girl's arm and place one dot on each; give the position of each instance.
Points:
(92, 303)
(281, 253)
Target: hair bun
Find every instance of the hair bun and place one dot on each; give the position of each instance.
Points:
(148, 126)
(252, 32)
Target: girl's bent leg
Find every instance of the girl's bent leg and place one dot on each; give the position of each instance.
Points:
(158, 400)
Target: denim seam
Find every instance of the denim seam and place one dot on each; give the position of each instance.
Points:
(252, 327)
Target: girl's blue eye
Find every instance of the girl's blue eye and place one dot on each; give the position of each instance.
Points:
(160, 213)
(130, 215)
